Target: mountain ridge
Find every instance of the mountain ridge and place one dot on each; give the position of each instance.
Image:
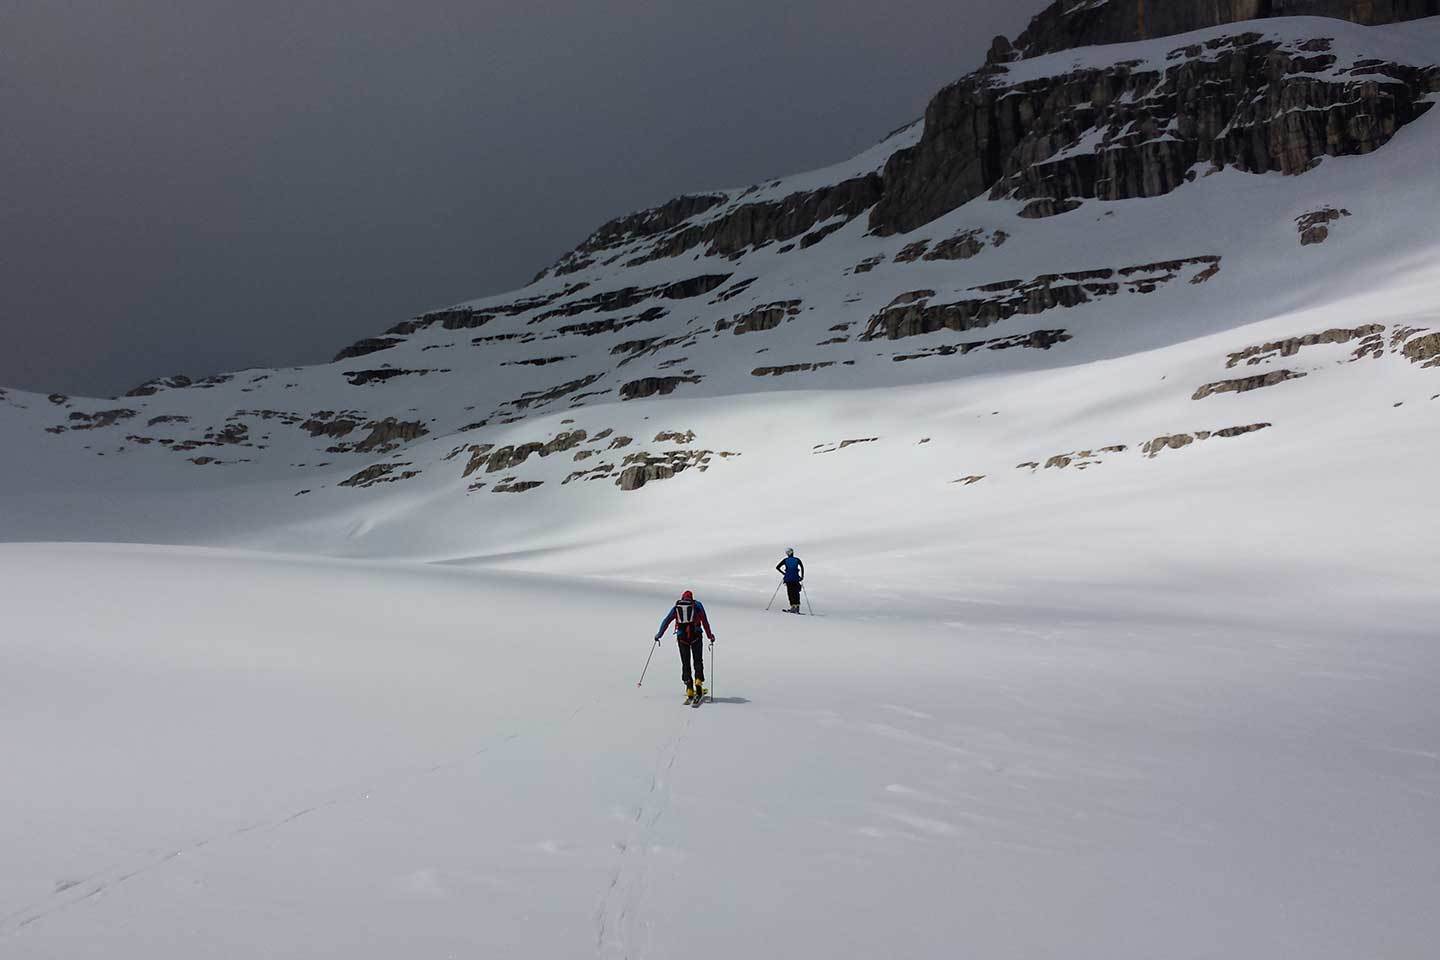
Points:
(784, 297)
(1068, 24)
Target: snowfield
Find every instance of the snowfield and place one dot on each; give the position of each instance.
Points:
(231, 754)
(1126, 604)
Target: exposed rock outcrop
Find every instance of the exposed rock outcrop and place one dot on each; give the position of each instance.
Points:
(635, 349)
(792, 368)
(912, 314)
(380, 473)
(511, 456)
(1424, 350)
(598, 472)
(516, 486)
(1079, 459)
(1142, 130)
(542, 397)
(368, 346)
(177, 382)
(479, 455)
(1292, 345)
(1178, 441)
(98, 420)
(764, 317)
(675, 436)
(151, 387)
(962, 246)
(636, 226)
(653, 386)
(359, 378)
(384, 436)
(466, 318)
(1036, 340)
(642, 468)
(833, 447)
(1068, 24)
(536, 361)
(1246, 384)
(750, 225)
(1314, 227)
(327, 423)
(611, 301)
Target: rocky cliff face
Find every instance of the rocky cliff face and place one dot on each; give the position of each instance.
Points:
(1141, 128)
(1082, 23)
(1133, 128)
(677, 227)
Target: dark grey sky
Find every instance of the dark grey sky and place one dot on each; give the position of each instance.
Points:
(201, 185)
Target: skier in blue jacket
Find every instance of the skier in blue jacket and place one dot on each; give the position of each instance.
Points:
(794, 573)
(688, 615)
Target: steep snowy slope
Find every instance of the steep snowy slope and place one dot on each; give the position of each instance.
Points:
(1215, 245)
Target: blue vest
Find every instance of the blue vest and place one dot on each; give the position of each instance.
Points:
(792, 569)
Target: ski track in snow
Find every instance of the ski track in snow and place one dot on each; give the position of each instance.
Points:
(838, 774)
(99, 883)
(618, 916)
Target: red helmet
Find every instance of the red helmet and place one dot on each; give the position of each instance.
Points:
(687, 595)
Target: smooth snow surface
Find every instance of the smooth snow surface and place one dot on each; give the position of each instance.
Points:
(221, 754)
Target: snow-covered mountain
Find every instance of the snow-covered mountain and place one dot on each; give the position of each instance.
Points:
(1102, 256)
(1102, 405)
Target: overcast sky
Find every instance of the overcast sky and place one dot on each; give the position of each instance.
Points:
(190, 186)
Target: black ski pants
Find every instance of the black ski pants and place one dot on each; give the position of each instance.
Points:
(794, 590)
(692, 650)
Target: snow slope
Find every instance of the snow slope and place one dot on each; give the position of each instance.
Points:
(1113, 659)
(1214, 268)
(225, 754)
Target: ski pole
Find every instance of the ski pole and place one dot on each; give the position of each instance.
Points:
(774, 595)
(807, 599)
(712, 671)
(647, 663)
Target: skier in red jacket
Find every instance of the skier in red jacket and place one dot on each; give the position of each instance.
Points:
(689, 618)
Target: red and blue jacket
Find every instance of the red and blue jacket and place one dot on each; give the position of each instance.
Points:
(688, 623)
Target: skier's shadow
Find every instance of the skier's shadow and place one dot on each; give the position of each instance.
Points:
(728, 700)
